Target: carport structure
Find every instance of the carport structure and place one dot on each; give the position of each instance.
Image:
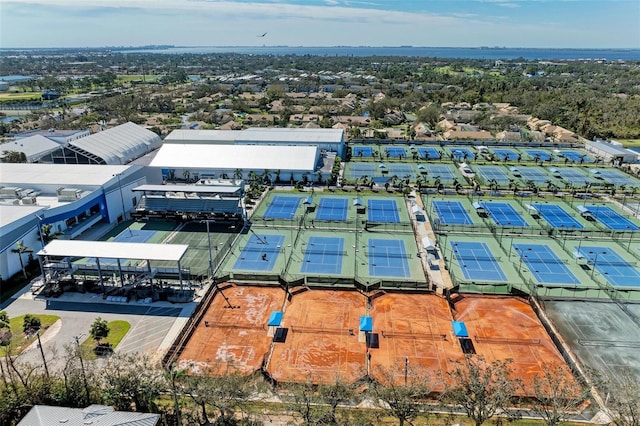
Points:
(56, 257)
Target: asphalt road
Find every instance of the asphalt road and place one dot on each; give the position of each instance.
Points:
(150, 324)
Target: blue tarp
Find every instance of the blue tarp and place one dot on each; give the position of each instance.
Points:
(459, 329)
(308, 200)
(366, 324)
(275, 319)
(357, 202)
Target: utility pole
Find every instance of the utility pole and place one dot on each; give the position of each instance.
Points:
(44, 360)
(84, 373)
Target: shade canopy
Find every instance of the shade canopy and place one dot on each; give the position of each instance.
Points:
(275, 319)
(459, 329)
(366, 323)
(428, 244)
(114, 250)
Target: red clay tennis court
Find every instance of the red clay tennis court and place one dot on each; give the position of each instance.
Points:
(417, 327)
(507, 327)
(233, 330)
(322, 342)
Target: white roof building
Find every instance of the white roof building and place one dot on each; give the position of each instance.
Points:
(118, 145)
(331, 140)
(216, 160)
(610, 152)
(185, 136)
(96, 415)
(34, 147)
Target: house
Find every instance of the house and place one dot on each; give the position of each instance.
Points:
(506, 136)
(446, 125)
(479, 135)
(97, 415)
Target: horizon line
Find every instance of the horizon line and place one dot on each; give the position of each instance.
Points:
(172, 46)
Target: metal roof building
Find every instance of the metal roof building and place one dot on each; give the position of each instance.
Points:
(331, 140)
(210, 161)
(610, 152)
(34, 147)
(119, 145)
(96, 415)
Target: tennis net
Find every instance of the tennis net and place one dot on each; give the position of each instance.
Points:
(330, 252)
(412, 335)
(322, 330)
(388, 255)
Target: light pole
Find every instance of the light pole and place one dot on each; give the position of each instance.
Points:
(124, 213)
(84, 374)
(209, 245)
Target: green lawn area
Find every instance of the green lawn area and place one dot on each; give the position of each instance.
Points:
(18, 339)
(628, 143)
(117, 330)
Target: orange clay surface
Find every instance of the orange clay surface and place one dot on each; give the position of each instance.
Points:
(319, 345)
(507, 327)
(417, 327)
(235, 336)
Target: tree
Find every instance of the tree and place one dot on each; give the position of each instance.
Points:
(30, 323)
(624, 399)
(14, 157)
(482, 389)
(131, 379)
(5, 330)
(99, 330)
(21, 249)
(556, 394)
(402, 392)
(237, 174)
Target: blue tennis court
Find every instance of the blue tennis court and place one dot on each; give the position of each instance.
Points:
(493, 172)
(462, 153)
(534, 174)
(362, 151)
(477, 262)
(611, 218)
(539, 154)
(383, 211)
(611, 266)
(504, 214)
(442, 171)
(429, 153)
(614, 176)
(452, 212)
(323, 255)
(260, 253)
(546, 267)
(395, 151)
(332, 209)
(576, 157)
(282, 207)
(402, 170)
(573, 175)
(501, 154)
(358, 170)
(557, 216)
(388, 258)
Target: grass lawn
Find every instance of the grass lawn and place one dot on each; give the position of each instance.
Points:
(117, 330)
(628, 143)
(18, 339)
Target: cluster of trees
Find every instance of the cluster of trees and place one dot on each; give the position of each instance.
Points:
(592, 99)
(474, 387)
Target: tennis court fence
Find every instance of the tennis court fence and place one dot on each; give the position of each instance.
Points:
(322, 330)
(609, 343)
(388, 226)
(413, 335)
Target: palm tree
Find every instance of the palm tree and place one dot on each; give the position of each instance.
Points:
(436, 183)
(237, 174)
(20, 249)
(277, 172)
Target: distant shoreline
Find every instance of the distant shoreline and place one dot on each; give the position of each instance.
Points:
(480, 52)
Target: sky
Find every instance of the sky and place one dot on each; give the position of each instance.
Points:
(451, 23)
